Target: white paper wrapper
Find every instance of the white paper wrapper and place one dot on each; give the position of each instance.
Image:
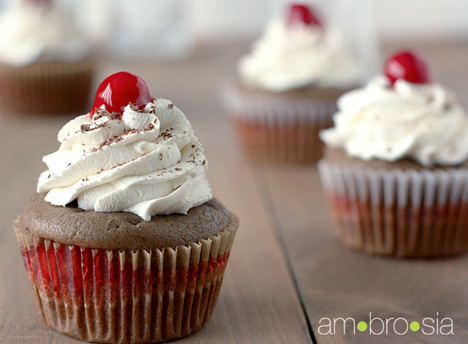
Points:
(279, 129)
(274, 110)
(131, 296)
(399, 213)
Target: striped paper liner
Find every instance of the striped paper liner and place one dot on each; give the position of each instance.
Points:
(47, 87)
(279, 129)
(126, 296)
(410, 213)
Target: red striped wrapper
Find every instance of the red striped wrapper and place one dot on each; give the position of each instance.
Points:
(411, 213)
(126, 296)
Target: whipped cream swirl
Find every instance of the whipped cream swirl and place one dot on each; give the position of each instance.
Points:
(423, 122)
(288, 57)
(31, 32)
(148, 162)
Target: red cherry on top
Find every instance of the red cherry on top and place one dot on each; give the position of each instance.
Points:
(300, 13)
(120, 89)
(408, 66)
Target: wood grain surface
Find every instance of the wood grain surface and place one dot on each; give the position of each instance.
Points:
(287, 271)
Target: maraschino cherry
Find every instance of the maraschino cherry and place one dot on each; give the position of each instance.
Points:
(300, 13)
(120, 89)
(408, 66)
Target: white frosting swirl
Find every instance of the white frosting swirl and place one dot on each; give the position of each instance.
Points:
(31, 32)
(422, 122)
(148, 163)
(288, 57)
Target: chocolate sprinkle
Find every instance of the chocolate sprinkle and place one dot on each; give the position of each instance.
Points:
(85, 127)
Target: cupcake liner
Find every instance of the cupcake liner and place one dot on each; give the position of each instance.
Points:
(399, 213)
(274, 109)
(47, 87)
(279, 129)
(126, 296)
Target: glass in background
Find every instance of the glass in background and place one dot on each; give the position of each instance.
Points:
(141, 29)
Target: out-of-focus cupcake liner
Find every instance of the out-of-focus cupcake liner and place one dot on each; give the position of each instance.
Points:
(276, 143)
(410, 213)
(276, 108)
(126, 296)
(47, 87)
(279, 129)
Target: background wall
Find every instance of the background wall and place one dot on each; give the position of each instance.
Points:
(214, 20)
(395, 19)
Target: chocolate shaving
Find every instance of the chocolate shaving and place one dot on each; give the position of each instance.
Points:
(85, 127)
(99, 113)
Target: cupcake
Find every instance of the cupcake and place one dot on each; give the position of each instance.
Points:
(288, 86)
(124, 242)
(395, 168)
(45, 65)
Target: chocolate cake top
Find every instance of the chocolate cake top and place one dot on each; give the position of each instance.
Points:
(120, 230)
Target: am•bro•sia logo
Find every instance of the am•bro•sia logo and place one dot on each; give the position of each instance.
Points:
(378, 326)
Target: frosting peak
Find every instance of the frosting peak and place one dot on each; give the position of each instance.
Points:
(148, 162)
(293, 56)
(424, 122)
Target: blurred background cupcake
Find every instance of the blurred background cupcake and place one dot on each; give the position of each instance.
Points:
(288, 85)
(46, 66)
(395, 168)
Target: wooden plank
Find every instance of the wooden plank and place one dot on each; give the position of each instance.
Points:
(334, 281)
(258, 302)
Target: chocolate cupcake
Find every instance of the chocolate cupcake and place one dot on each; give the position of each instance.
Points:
(46, 67)
(288, 86)
(124, 242)
(395, 169)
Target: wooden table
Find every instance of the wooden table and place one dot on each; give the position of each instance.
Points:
(287, 271)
